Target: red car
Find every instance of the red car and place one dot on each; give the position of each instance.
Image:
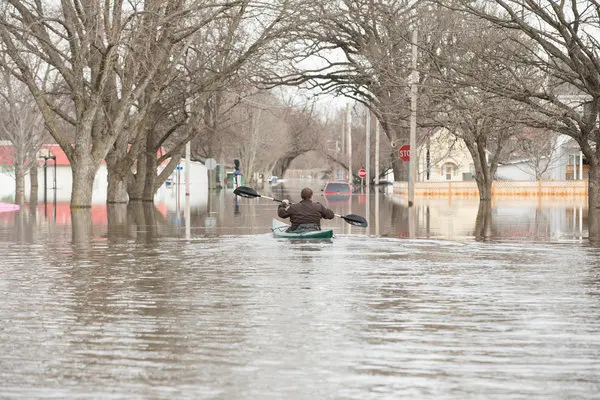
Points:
(337, 188)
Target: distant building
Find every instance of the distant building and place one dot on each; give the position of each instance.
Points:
(444, 157)
(53, 160)
(566, 162)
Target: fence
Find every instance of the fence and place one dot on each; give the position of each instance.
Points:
(499, 188)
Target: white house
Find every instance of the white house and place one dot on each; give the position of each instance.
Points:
(565, 162)
(54, 170)
(444, 157)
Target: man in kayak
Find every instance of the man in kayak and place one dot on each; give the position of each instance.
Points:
(305, 215)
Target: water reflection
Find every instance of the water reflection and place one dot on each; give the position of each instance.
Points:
(388, 216)
(81, 226)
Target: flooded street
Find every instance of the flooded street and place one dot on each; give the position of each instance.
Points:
(439, 302)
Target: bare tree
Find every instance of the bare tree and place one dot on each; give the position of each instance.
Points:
(193, 94)
(359, 49)
(482, 123)
(540, 151)
(105, 54)
(21, 123)
(477, 51)
(259, 134)
(306, 132)
(559, 41)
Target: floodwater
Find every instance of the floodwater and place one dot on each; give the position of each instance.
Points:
(441, 302)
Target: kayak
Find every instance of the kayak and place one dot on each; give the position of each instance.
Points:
(279, 230)
(6, 207)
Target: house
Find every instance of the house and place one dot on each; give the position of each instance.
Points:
(444, 157)
(54, 171)
(564, 162)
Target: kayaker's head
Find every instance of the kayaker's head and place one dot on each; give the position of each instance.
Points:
(306, 194)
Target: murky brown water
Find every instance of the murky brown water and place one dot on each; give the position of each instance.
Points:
(135, 310)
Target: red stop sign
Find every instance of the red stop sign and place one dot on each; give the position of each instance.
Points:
(404, 152)
(362, 173)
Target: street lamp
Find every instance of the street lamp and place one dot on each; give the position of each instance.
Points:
(46, 155)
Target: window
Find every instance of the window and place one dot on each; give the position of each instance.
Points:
(448, 171)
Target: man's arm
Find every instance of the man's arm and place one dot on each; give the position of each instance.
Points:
(282, 210)
(326, 212)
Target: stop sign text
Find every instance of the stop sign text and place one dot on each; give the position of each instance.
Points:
(404, 152)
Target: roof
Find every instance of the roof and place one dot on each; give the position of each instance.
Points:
(56, 151)
(7, 153)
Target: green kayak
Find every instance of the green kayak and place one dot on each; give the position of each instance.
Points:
(279, 230)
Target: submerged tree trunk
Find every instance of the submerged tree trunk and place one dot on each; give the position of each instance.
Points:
(117, 221)
(483, 223)
(594, 202)
(81, 226)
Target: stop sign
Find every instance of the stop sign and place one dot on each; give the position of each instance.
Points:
(404, 152)
(362, 173)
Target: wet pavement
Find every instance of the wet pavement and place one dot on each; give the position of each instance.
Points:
(136, 303)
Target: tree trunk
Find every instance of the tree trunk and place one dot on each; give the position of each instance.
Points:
(484, 184)
(33, 185)
(151, 229)
(282, 164)
(117, 179)
(136, 187)
(483, 175)
(594, 203)
(483, 223)
(116, 192)
(19, 183)
(150, 177)
(84, 172)
(117, 189)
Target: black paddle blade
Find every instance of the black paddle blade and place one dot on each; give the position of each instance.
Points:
(355, 220)
(245, 191)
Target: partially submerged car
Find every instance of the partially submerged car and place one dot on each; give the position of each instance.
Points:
(337, 188)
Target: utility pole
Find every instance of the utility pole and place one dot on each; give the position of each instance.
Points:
(376, 152)
(188, 166)
(349, 142)
(368, 149)
(412, 172)
(340, 173)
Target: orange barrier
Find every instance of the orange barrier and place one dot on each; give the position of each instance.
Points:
(499, 188)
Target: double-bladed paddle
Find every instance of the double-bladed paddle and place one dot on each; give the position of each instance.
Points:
(248, 192)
